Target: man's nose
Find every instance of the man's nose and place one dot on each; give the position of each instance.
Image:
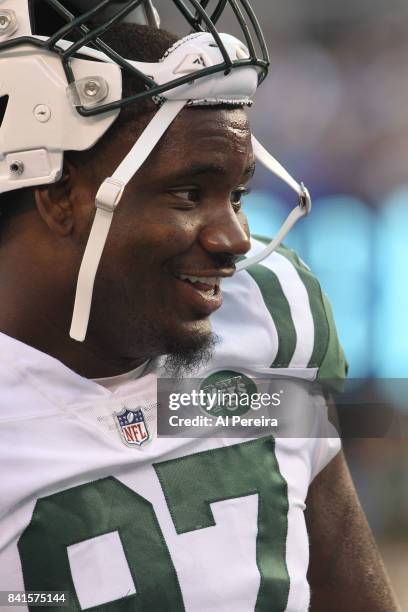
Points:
(226, 234)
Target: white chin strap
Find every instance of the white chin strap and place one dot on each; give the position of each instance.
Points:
(112, 189)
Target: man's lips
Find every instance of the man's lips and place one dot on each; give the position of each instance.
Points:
(202, 283)
(202, 289)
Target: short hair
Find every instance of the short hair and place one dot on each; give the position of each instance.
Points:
(134, 42)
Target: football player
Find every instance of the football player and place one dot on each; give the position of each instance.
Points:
(125, 154)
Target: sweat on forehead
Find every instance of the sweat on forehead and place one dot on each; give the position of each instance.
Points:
(198, 119)
(212, 132)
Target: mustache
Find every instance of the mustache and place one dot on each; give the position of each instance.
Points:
(224, 260)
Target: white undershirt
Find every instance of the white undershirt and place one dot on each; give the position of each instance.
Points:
(112, 383)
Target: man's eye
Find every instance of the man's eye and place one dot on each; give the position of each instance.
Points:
(237, 196)
(188, 196)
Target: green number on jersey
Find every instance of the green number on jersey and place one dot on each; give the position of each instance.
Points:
(190, 484)
(88, 511)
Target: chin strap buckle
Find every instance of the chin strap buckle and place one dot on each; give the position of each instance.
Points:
(305, 201)
(109, 194)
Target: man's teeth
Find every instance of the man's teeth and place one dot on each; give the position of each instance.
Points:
(205, 280)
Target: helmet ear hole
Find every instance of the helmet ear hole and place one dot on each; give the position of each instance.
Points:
(3, 107)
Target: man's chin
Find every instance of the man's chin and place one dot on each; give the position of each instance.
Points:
(189, 351)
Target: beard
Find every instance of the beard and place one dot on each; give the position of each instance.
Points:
(146, 334)
(183, 360)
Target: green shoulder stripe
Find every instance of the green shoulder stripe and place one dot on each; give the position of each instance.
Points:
(327, 355)
(278, 307)
(321, 325)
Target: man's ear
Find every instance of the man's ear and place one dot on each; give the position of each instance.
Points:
(55, 203)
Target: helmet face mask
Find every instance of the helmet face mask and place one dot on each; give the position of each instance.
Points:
(102, 15)
(55, 48)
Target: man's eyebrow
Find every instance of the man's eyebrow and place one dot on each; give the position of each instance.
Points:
(198, 169)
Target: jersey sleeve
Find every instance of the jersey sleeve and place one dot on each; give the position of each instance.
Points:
(327, 443)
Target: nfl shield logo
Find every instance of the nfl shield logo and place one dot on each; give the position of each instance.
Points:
(132, 426)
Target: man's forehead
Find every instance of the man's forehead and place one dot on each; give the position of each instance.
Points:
(199, 137)
(205, 137)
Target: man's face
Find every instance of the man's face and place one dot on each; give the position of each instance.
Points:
(176, 233)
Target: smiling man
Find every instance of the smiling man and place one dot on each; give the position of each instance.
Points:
(96, 511)
(176, 234)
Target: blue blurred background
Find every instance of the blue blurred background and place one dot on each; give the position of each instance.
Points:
(359, 253)
(334, 111)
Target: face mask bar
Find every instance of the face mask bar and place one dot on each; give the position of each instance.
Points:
(196, 21)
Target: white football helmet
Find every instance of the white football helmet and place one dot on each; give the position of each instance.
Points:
(58, 95)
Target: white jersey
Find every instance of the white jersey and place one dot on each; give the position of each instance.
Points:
(196, 524)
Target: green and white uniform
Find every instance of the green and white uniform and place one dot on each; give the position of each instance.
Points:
(202, 525)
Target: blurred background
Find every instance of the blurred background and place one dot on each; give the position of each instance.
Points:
(334, 111)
